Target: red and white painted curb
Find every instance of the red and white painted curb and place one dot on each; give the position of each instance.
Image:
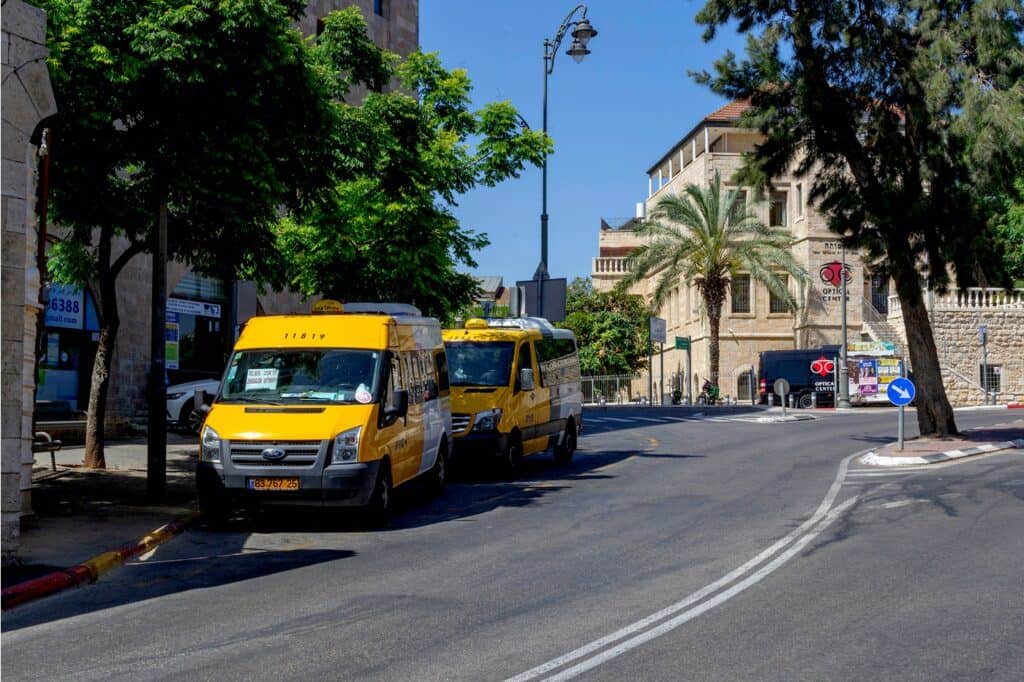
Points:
(874, 459)
(89, 571)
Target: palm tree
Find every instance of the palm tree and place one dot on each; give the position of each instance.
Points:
(703, 238)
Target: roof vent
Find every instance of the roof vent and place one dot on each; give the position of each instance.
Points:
(383, 309)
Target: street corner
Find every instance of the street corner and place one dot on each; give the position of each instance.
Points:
(970, 443)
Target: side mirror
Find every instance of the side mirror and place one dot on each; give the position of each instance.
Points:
(526, 379)
(399, 405)
(203, 408)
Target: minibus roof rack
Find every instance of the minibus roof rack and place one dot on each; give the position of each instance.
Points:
(521, 323)
(382, 309)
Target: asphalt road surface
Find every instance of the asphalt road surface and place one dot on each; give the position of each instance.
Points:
(673, 547)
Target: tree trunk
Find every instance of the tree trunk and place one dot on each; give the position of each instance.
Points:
(934, 413)
(109, 324)
(714, 297)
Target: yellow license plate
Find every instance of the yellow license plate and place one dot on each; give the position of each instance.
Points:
(273, 484)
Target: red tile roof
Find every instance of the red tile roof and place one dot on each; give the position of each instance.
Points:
(730, 112)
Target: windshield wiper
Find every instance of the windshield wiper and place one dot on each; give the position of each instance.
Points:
(260, 401)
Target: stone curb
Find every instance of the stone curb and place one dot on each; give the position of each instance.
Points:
(89, 571)
(874, 459)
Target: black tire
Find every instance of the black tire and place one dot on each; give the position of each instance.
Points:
(214, 509)
(513, 456)
(439, 473)
(378, 510)
(190, 420)
(564, 451)
(805, 401)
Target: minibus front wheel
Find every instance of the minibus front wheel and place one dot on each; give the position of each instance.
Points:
(513, 454)
(381, 500)
(564, 450)
(439, 473)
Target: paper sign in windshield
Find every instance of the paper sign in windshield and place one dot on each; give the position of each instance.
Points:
(261, 379)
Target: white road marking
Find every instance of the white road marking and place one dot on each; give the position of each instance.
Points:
(700, 594)
(720, 598)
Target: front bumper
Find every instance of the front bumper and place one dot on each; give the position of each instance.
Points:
(347, 485)
(478, 444)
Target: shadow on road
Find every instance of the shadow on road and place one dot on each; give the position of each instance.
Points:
(155, 577)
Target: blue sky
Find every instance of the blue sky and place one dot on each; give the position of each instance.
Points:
(611, 117)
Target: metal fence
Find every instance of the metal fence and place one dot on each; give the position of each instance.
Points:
(614, 388)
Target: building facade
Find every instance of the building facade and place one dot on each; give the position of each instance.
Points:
(27, 102)
(753, 320)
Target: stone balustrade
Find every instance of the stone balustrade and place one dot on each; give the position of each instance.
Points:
(610, 266)
(972, 298)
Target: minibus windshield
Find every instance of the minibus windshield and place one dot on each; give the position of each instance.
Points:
(286, 376)
(473, 363)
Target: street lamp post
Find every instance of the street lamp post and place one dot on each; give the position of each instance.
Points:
(582, 32)
(844, 370)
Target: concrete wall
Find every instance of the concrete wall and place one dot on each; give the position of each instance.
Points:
(27, 100)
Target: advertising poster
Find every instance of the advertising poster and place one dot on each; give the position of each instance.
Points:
(171, 342)
(888, 369)
(867, 382)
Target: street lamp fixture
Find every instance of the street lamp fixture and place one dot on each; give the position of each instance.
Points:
(582, 31)
(578, 51)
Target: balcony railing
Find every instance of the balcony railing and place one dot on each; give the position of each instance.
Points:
(973, 298)
(610, 266)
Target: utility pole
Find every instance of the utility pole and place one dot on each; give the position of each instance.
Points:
(661, 397)
(156, 432)
(983, 337)
(844, 371)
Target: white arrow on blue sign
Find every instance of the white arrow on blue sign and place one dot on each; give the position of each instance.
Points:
(901, 391)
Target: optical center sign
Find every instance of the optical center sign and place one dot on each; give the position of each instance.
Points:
(827, 259)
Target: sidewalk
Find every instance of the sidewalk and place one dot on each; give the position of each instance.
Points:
(919, 451)
(81, 513)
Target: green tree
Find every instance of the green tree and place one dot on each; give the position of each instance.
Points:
(1007, 224)
(217, 109)
(610, 327)
(896, 109)
(387, 231)
(704, 237)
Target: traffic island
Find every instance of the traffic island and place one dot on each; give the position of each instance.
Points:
(970, 443)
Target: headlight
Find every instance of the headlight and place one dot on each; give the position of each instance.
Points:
(486, 421)
(346, 446)
(175, 396)
(209, 448)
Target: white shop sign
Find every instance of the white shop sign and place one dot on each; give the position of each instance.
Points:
(186, 307)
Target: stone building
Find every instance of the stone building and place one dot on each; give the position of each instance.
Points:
(753, 320)
(27, 102)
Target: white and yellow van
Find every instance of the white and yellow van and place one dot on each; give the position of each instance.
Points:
(515, 389)
(328, 410)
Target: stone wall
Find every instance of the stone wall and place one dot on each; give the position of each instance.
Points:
(960, 355)
(27, 100)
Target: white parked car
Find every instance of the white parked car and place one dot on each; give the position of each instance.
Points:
(182, 410)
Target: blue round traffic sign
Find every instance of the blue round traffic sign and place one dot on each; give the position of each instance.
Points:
(901, 391)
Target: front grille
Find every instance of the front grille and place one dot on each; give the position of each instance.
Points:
(248, 453)
(460, 422)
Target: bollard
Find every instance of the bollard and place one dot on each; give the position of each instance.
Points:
(814, 399)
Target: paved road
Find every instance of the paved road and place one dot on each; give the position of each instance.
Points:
(672, 548)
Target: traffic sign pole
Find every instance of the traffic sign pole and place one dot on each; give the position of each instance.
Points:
(901, 392)
(899, 430)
